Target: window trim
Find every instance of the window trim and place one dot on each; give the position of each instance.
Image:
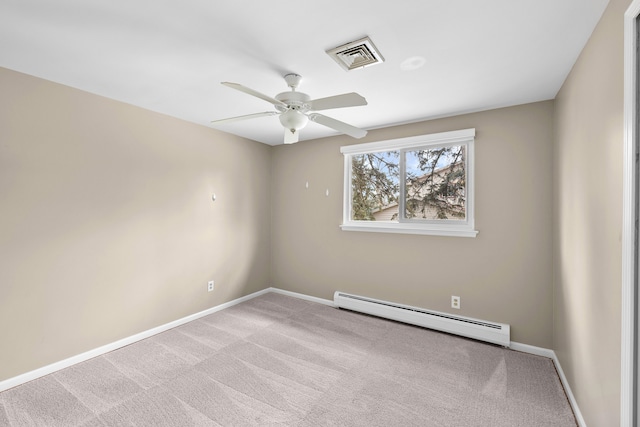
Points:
(456, 228)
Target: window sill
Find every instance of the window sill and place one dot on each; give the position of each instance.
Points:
(409, 228)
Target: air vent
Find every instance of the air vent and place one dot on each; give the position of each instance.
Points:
(358, 54)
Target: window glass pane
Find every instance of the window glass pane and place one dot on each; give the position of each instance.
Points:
(375, 186)
(435, 183)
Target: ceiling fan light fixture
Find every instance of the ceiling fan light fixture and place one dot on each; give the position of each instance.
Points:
(293, 120)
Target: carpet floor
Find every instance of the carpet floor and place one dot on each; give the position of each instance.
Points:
(281, 361)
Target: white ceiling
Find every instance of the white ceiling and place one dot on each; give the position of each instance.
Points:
(170, 56)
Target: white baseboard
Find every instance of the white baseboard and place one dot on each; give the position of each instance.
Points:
(54, 367)
(524, 348)
(538, 351)
(545, 352)
(303, 296)
(567, 389)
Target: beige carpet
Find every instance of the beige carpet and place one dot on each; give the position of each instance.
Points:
(281, 361)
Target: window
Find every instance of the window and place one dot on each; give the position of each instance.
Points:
(418, 185)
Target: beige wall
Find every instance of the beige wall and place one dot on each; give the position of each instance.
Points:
(502, 275)
(107, 226)
(588, 221)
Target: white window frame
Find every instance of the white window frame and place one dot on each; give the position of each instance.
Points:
(457, 228)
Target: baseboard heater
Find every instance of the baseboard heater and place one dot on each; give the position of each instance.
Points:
(496, 333)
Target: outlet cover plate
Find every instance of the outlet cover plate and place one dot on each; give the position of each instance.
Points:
(455, 302)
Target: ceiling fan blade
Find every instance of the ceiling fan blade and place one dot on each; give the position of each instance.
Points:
(291, 137)
(338, 101)
(248, 116)
(255, 93)
(338, 125)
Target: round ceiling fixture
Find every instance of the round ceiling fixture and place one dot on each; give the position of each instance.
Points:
(412, 63)
(293, 120)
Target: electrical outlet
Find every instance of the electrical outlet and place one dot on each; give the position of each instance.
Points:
(455, 302)
(210, 286)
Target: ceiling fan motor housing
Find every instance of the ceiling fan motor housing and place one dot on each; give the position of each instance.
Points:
(294, 100)
(293, 116)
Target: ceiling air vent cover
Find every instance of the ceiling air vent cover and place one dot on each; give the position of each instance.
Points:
(358, 54)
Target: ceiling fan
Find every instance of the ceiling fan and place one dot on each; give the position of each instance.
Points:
(296, 109)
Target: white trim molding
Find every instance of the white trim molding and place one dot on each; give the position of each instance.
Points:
(515, 346)
(545, 352)
(403, 225)
(57, 366)
(54, 367)
(302, 296)
(629, 366)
